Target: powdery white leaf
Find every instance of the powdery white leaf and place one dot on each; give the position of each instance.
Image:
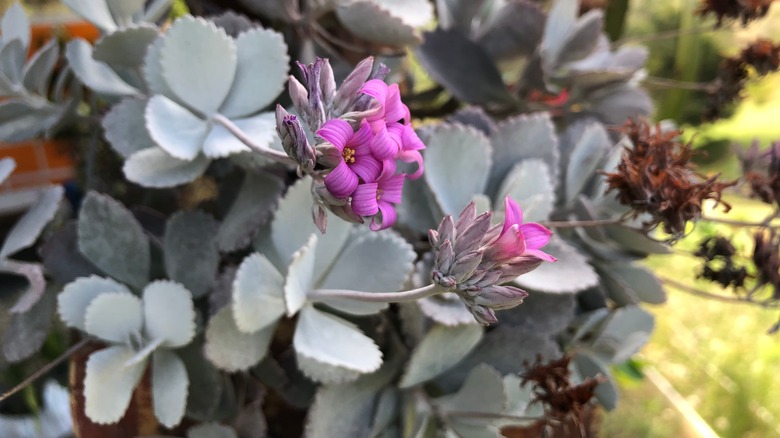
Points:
(36, 283)
(260, 75)
(561, 21)
(74, 299)
(124, 127)
(334, 341)
(211, 430)
(583, 39)
(482, 391)
(585, 158)
(109, 383)
(616, 103)
(457, 164)
(152, 69)
(38, 70)
(530, 184)
(220, 142)
(624, 333)
(230, 349)
(7, 166)
(124, 10)
(15, 25)
(258, 294)
(125, 48)
(12, 56)
(115, 317)
(26, 332)
(200, 78)
(94, 11)
(94, 74)
(253, 206)
(169, 313)
(441, 349)
(446, 308)
(153, 167)
(300, 274)
(323, 373)
(174, 128)
(522, 137)
(378, 23)
(26, 231)
(516, 30)
(190, 250)
(590, 365)
(113, 240)
(169, 387)
(571, 273)
(635, 282)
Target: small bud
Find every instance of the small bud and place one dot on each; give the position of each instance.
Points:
(466, 216)
(516, 268)
(444, 257)
(471, 238)
(465, 265)
(348, 91)
(433, 238)
(294, 140)
(443, 280)
(327, 82)
(446, 229)
(500, 297)
(483, 315)
(320, 217)
(298, 94)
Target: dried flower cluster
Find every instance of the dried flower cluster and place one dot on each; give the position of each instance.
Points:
(656, 178)
(762, 172)
(553, 387)
(719, 265)
(766, 257)
(744, 10)
(762, 56)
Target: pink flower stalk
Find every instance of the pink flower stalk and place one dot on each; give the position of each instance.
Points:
(356, 162)
(376, 199)
(518, 239)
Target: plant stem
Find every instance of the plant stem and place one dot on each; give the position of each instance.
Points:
(738, 223)
(377, 297)
(704, 294)
(45, 369)
(244, 138)
(583, 224)
(653, 81)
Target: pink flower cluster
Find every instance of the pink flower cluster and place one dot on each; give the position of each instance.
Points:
(366, 170)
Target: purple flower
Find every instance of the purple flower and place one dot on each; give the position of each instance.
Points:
(377, 199)
(517, 239)
(356, 161)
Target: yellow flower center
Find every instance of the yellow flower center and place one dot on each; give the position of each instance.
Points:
(349, 155)
(379, 194)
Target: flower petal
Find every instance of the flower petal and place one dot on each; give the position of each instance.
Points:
(337, 132)
(510, 244)
(383, 146)
(376, 89)
(364, 199)
(341, 181)
(361, 140)
(394, 109)
(387, 211)
(367, 167)
(388, 169)
(514, 214)
(413, 157)
(535, 235)
(411, 141)
(540, 255)
(392, 188)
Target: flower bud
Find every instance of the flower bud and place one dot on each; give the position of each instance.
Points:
(444, 257)
(483, 315)
(500, 297)
(294, 140)
(465, 265)
(298, 95)
(348, 92)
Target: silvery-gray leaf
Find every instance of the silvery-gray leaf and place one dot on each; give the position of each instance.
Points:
(586, 156)
(583, 38)
(214, 62)
(637, 282)
(629, 58)
(417, 206)
(7, 166)
(260, 75)
(617, 103)
(114, 317)
(571, 273)
(54, 419)
(258, 294)
(211, 430)
(125, 48)
(589, 365)
(74, 299)
(347, 410)
(111, 238)
(38, 70)
(229, 348)
(155, 10)
(169, 387)
(626, 331)
(109, 383)
(635, 241)
(220, 143)
(541, 313)
(519, 402)
(26, 231)
(202, 398)
(153, 167)
(516, 30)
(15, 25)
(24, 119)
(94, 74)
(427, 428)
(561, 20)
(482, 392)
(459, 14)
(124, 10)
(169, 313)
(333, 341)
(191, 255)
(12, 56)
(446, 308)
(462, 67)
(386, 411)
(370, 262)
(521, 137)
(386, 22)
(461, 428)
(174, 128)
(530, 184)
(255, 203)
(94, 11)
(152, 69)
(300, 276)
(271, 8)
(36, 283)
(476, 117)
(457, 164)
(441, 349)
(26, 333)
